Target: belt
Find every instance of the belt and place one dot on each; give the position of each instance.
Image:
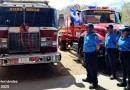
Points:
(91, 52)
(111, 48)
(125, 52)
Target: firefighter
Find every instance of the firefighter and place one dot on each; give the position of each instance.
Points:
(124, 54)
(91, 44)
(111, 44)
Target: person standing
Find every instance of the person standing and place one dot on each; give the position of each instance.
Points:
(91, 44)
(110, 52)
(124, 54)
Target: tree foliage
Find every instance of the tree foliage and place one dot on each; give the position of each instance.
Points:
(125, 10)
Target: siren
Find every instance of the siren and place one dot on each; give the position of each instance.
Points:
(91, 7)
(105, 7)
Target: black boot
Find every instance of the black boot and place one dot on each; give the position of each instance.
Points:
(113, 77)
(122, 84)
(128, 85)
(86, 80)
(93, 86)
(127, 88)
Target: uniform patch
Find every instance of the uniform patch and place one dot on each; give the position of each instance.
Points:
(96, 37)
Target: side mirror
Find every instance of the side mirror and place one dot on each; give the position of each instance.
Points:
(120, 16)
(61, 21)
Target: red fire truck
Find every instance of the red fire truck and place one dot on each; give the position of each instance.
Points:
(99, 16)
(28, 33)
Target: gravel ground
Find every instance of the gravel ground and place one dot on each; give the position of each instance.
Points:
(71, 62)
(65, 75)
(68, 65)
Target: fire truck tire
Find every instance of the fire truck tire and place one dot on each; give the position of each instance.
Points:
(81, 57)
(62, 45)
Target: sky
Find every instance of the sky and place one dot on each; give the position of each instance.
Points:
(60, 4)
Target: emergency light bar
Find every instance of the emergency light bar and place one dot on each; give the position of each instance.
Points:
(105, 7)
(91, 7)
(94, 7)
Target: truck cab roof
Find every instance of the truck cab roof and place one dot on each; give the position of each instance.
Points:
(25, 3)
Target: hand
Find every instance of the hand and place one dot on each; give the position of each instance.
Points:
(97, 50)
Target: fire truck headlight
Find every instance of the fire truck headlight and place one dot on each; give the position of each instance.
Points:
(4, 46)
(43, 39)
(45, 44)
(54, 43)
(3, 40)
(3, 43)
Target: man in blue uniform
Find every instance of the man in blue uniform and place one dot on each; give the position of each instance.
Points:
(124, 54)
(110, 54)
(90, 47)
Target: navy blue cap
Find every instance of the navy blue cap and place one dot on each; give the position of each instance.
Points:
(128, 26)
(89, 25)
(125, 28)
(109, 26)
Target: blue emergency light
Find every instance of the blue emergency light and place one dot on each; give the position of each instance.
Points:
(91, 7)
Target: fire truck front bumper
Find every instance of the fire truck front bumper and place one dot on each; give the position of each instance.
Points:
(21, 59)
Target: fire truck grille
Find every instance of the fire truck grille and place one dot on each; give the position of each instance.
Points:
(28, 42)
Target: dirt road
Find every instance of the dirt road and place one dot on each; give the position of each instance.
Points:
(66, 75)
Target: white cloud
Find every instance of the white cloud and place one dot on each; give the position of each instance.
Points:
(82, 2)
(59, 4)
(114, 3)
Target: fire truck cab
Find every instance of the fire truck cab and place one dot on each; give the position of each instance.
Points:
(72, 34)
(28, 33)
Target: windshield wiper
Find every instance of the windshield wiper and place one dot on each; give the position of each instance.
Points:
(33, 18)
(15, 17)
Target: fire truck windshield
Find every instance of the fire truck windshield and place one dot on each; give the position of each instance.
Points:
(34, 17)
(11, 17)
(42, 17)
(100, 16)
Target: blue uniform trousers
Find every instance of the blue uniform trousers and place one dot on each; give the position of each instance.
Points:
(91, 66)
(125, 65)
(110, 59)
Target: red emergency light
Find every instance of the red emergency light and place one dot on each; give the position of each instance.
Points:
(94, 7)
(105, 7)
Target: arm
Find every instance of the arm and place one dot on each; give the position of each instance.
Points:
(116, 41)
(83, 34)
(97, 47)
(116, 44)
(96, 42)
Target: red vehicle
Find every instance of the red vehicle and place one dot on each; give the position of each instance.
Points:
(28, 33)
(99, 16)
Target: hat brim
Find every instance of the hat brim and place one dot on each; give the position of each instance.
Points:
(108, 27)
(123, 30)
(88, 26)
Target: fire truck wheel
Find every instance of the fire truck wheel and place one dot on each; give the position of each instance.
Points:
(81, 55)
(62, 45)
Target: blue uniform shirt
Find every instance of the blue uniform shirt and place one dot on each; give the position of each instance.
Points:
(90, 41)
(110, 40)
(124, 43)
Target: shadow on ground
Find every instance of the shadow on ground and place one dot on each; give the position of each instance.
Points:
(39, 77)
(102, 66)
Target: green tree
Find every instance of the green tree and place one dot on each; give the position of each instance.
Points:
(125, 10)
